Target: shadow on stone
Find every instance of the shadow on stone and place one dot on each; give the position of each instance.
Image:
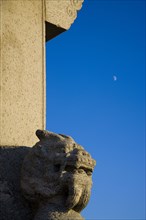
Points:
(50, 181)
(12, 204)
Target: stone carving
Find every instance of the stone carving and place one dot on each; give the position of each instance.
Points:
(62, 13)
(56, 177)
(77, 4)
(73, 7)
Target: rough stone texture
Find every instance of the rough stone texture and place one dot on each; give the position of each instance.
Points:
(22, 80)
(62, 13)
(12, 204)
(56, 175)
(22, 70)
(51, 181)
(59, 15)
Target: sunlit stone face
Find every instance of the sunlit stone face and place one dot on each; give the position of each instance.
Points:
(58, 169)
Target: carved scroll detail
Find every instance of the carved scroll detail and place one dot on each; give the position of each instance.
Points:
(62, 13)
(77, 4)
(71, 12)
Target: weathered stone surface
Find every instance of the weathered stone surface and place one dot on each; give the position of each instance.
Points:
(22, 75)
(62, 13)
(51, 181)
(22, 63)
(13, 205)
(56, 175)
(59, 16)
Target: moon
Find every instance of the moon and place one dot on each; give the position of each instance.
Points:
(115, 78)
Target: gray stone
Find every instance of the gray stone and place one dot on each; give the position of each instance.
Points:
(50, 181)
(57, 177)
(13, 206)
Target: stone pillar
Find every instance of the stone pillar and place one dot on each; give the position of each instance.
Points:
(22, 72)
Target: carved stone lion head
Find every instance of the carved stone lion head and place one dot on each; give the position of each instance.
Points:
(57, 170)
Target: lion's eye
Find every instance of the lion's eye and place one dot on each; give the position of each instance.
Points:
(89, 172)
(86, 170)
(80, 170)
(57, 167)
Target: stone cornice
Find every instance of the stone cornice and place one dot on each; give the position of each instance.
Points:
(62, 13)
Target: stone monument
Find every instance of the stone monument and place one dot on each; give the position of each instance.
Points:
(51, 180)
(25, 26)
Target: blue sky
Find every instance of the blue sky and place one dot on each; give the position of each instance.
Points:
(104, 115)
